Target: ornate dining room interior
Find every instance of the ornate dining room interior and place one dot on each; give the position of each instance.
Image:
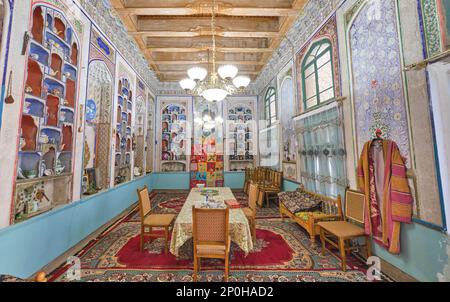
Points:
(224, 140)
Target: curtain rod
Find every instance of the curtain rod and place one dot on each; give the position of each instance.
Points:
(423, 64)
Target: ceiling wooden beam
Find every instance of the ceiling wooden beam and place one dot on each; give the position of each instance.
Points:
(186, 11)
(200, 49)
(174, 62)
(198, 33)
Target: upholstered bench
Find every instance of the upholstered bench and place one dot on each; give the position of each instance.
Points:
(308, 208)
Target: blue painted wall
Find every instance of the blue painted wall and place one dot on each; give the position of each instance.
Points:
(28, 246)
(423, 249)
(234, 180)
(170, 180)
(180, 180)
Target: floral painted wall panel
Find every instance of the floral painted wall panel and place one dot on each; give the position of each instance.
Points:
(139, 131)
(378, 94)
(328, 31)
(444, 12)
(98, 115)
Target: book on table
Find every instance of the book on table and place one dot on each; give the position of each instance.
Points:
(232, 203)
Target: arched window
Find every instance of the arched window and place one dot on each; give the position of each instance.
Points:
(270, 106)
(317, 74)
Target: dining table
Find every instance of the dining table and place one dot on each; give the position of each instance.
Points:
(239, 226)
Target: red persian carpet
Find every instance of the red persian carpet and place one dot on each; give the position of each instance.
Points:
(283, 252)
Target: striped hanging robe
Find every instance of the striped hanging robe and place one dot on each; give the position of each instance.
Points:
(383, 180)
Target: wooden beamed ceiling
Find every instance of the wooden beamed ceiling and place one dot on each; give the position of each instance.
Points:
(176, 35)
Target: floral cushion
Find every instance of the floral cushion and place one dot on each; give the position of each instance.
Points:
(305, 215)
(300, 201)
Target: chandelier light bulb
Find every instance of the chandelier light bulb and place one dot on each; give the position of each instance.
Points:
(197, 73)
(219, 120)
(206, 118)
(228, 71)
(241, 81)
(187, 84)
(214, 94)
(209, 125)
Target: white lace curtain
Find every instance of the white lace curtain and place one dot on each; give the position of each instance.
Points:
(322, 150)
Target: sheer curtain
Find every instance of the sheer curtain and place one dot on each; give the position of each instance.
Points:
(322, 151)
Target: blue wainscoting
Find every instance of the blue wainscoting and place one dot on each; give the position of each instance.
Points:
(170, 180)
(28, 246)
(234, 180)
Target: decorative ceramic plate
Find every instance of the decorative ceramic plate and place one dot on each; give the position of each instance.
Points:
(91, 110)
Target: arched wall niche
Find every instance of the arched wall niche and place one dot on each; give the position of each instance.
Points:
(139, 130)
(45, 158)
(98, 116)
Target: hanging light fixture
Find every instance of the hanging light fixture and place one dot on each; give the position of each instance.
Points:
(220, 83)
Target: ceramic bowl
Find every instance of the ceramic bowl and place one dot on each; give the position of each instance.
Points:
(30, 173)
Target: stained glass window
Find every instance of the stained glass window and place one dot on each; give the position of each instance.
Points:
(317, 74)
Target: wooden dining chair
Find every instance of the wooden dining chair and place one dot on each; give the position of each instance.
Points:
(210, 229)
(150, 221)
(272, 186)
(349, 228)
(250, 210)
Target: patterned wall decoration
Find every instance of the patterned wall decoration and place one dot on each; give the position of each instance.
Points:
(431, 26)
(139, 130)
(328, 31)
(287, 112)
(207, 148)
(378, 95)
(47, 128)
(124, 130)
(444, 12)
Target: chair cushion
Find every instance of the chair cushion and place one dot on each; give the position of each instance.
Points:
(305, 215)
(159, 219)
(210, 249)
(342, 228)
(300, 201)
(248, 212)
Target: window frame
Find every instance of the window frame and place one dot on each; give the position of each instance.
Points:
(271, 92)
(305, 66)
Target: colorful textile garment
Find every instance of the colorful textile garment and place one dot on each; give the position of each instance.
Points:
(382, 178)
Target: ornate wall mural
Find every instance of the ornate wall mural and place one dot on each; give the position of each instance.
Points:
(98, 114)
(174, 136)
(207, 148)
(444, 13)
(47, 131)
(431, 26)
(124, 126)
(139, 131)
(287, 112)
(150, 136)
(378, 95)
(328, 31)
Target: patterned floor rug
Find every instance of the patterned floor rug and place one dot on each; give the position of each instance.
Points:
(283, 252)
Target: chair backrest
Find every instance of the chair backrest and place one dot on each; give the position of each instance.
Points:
(145, 205)
(278, 179)
(252, 197)
(210, 225)
(354, 205)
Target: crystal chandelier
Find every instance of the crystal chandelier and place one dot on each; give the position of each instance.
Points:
(220, 84)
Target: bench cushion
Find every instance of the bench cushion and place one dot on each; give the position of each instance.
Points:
(300, 201)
